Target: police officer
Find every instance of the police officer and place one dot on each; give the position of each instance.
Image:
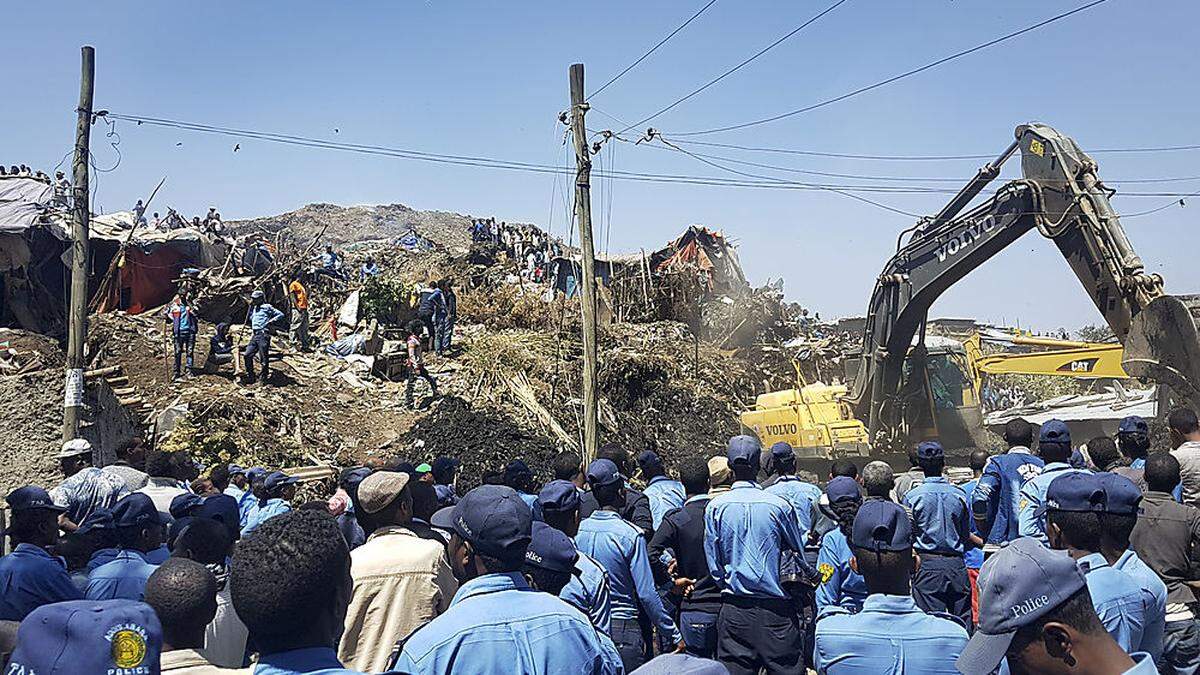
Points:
(30, 576)
(518, 476)
(260, 317)
(139, 530)
(620, 549)
(746, 532)
(587, 591)
(802, 495)
(942, 520)
(1071, 510)
(1133, 438)
(1035, 608)
(665, 493)
(1054, 445)
(840, 585)
(891, 634)
(996, 499)
(495, 624)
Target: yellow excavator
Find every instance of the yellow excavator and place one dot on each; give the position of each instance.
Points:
(906, 387)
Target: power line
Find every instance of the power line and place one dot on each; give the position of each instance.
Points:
(911, 158)
(895, 78)
(739, 66)
(652, 49)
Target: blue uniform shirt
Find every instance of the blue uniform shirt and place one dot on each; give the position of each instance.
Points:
(235, 492)
(890, 636)
(665, 495)
(122, 579)
(620, 549)
(262, 315)
(496, 624)
(247, 505)
(840, 585)
(102, 557)
(941, 516)
(1131, 564)
(746, 530)
(588, 592)
(309, 661)
(1029, 524)
(159, 555)
(29, 578)
(1121, 603)
(530, 501)
(974, 556)
(996, 499)
(802, 496)
(274, 507)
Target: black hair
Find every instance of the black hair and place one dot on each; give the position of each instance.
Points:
(203, 540)
(123, 450)
(182, 467)
(183, 593)
(878, 479)
(979, 459)
(424, 499)
(315, 505)
(783, 467)
(1080, 529)
(845, 511)
(693, 473)
(28, 527)
(914, 460)
(291, 571)
(219, 477)
(492, 478)
(1103, 452)
(1162, 471)
(443, 473)
(883, 568)
(1183, 421)
(1054, 451)
(617, 455)
(563, 521)
(932, 467)
(1116, 528)
(843, 467)
(1018, 432)
(548, 581)
(608, 495)
(415, 327)
(1076, 611)
(744, 471)
(1134, 444)
(566, 465)
(160, 464)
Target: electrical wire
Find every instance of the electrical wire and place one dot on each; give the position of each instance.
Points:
(909, 158)
(739, 66)
(895, 78)
(652, 49)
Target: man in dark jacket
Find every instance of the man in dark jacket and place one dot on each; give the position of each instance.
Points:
(637, 506)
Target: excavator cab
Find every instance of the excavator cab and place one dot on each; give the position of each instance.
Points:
(938, 399)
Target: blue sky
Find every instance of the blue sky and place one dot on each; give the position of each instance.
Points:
(489, 79)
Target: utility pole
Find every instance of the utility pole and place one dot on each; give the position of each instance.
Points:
(583, 209)
(81, 206)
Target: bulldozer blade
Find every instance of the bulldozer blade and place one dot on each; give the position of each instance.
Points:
(1163, 346)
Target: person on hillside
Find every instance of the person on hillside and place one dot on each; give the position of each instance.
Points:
(430, 306)
(446, 331)
(262, 315)
(220, 348)
(368, 270)
(298, 294)
(86, 488)
(416, 364)
(184, 326)
(30, 575)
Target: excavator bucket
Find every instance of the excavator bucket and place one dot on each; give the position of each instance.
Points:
(1163, 346)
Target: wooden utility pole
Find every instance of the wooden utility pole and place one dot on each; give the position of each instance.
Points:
(81, 205)
(583, 209)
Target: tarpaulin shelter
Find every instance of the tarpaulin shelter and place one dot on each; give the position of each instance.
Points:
(412, 241)
(33, 236)
(709, 252)
(566, 275)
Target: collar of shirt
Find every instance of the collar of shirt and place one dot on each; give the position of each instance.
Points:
(1142, 664)
(1019, 450)
(890, 604)
(391, 530)
(1055, 466)
(1092, 561)
(37, 552)
(657, 479)
(306, 660)
(130, 554)
(490, 583)
(744, 484)
(697, 498)
(936, 479)
(605, 514)
(1126, 558)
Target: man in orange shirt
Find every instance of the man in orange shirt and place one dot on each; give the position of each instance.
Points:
(298, 332)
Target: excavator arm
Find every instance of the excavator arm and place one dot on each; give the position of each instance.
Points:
(1063, 198)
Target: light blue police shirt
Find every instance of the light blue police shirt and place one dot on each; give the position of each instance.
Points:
(746, 530)
(840, 585)
(122, 579)
(274, 507)
(496, 624)
(665, 495)
(1121, 603)
(941, 516)
(309, 661)
(890, 636)
(1152, 640)
(803, 497)
(1033, 493)
(588, 592)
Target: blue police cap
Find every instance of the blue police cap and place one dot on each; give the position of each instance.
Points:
(930, 450)
(1122, 496)
(550, 549)
(235, 469)
(183, 504)
(602, 472)
(89, 636)
(783, 450)
(443, 518)
(495, 520)
(517, 470)
(100, 519)
(135, 510)
(350, 478)
(223, 509)
(29, 498)
(842, 489)
(1133, 425)
(744, 451)
(1077, 491)
(649, 461)
(882, 526)
(1019, 584)
(559, 496)
(255, 474)
(1056, 432)
(277, 480)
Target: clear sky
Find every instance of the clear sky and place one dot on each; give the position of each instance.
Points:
(490, 78)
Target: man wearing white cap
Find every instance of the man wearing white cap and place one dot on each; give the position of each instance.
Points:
(86, 487)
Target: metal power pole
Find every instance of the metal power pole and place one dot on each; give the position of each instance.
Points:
(81, 205)
(583, 209)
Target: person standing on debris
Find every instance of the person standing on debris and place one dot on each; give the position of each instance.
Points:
(431, 305)
(369, 269)
(262, 314)
(446, 332)
(441, 317)
(184, 326)
(298, 294)
(30, 575)
(62, 190)
(139, 213)
(212, 222)
(416, 363)
(331, 264)
(86, 487)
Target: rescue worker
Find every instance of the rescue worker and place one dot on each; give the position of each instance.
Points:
(139, 530)
(184, 326)
(588, 591)
(665, 493)
(996, 499)
(839, 585)
(746, 532)
(298, 294)
(941, 519)
(262, 315)
(891, 635)
(1054, 445)
(30, 575)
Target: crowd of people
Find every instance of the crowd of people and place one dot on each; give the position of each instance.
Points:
(60, 195)
(1068, 558)
(531, 248)
(210, 223)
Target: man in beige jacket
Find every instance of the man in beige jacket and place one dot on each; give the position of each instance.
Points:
(401, 581)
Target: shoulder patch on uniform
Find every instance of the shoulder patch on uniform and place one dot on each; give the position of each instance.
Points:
(826, 571)
(1022, 504)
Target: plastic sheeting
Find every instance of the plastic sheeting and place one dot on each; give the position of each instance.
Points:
(22, 202)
